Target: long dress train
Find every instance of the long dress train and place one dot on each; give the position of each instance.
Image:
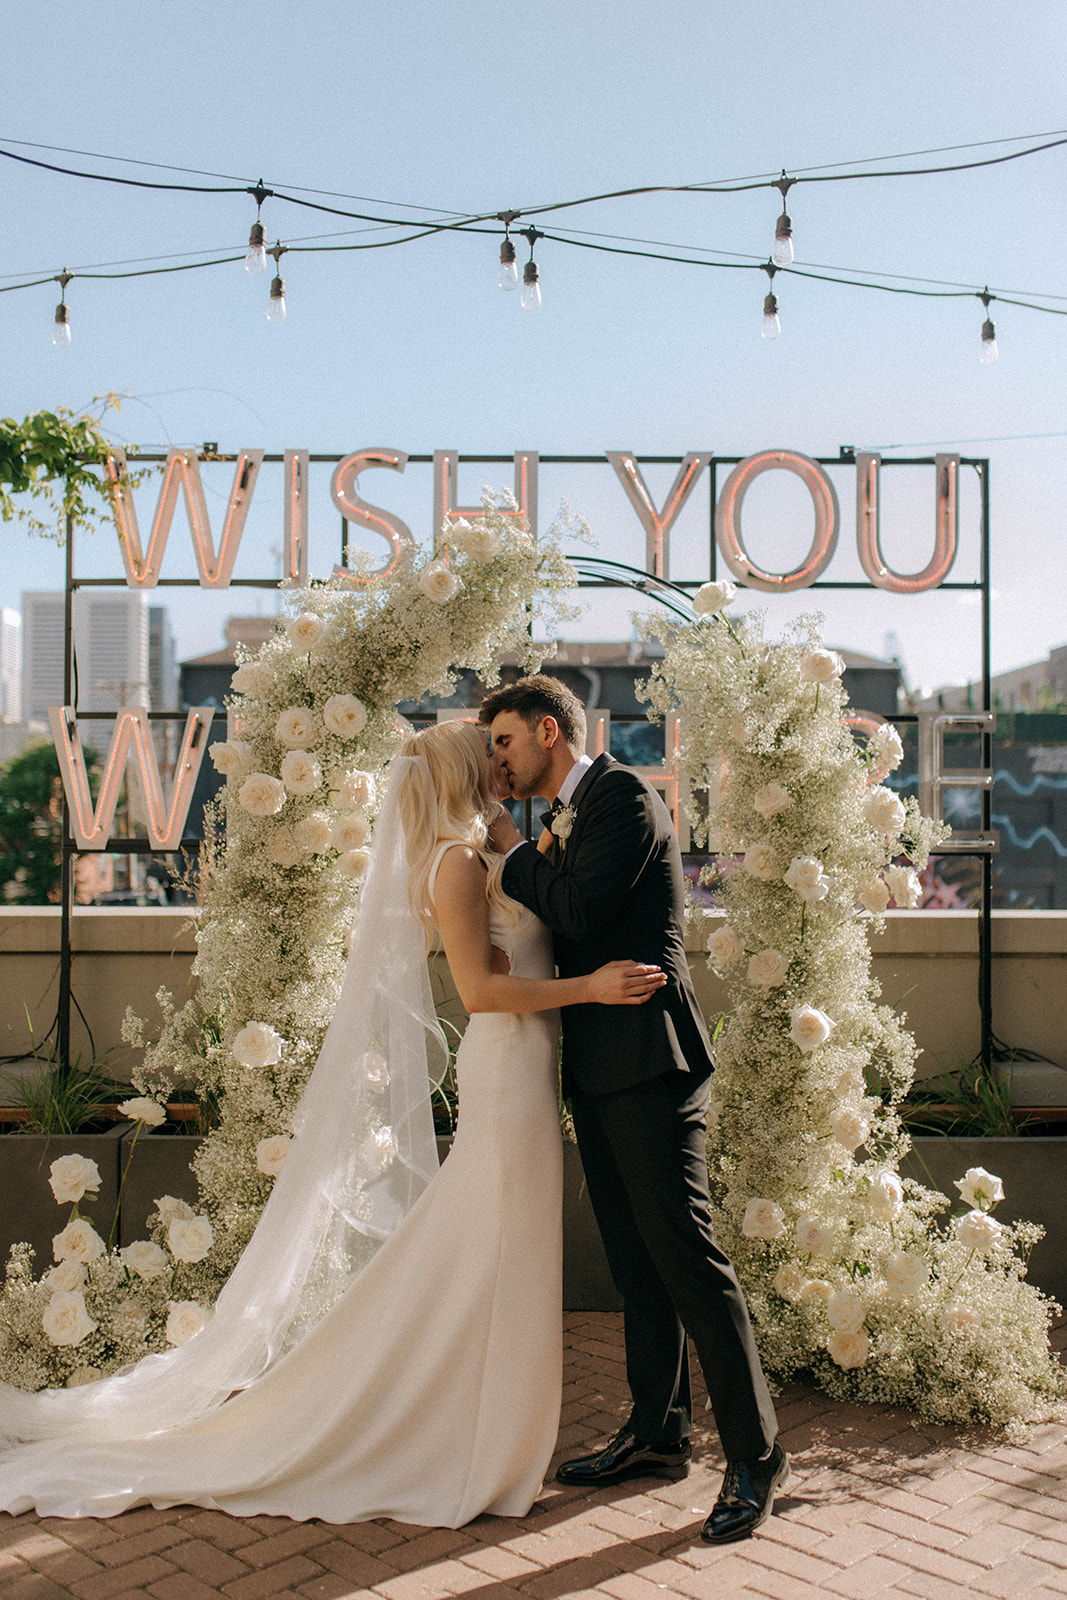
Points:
(430, 1392)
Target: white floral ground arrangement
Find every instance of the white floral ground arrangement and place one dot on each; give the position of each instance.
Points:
(316, 721)
(852, 1275)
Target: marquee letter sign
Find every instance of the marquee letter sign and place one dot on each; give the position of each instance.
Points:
(657, 524)
(445, 508)
(728, 521)
(181, 475)
(396, 534)
(130, 741)
(868, 525)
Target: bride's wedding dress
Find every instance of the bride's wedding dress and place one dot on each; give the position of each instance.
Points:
(430, 1391)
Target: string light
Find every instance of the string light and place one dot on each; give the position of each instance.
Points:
(531, 278)
(509, 272)
(771, 325)
(276, 309)
(256, 258)
(990, 353)
(61, 331)
(782, 254)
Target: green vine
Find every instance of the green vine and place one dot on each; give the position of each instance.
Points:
(51, 455)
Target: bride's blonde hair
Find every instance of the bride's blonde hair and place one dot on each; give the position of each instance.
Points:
(456, 805)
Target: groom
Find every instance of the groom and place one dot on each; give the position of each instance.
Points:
(606, 878)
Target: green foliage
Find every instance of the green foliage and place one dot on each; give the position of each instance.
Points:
(51, 456)
(31, 824)
(79, 1101)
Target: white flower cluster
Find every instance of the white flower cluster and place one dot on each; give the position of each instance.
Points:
(847, 1270)
(313, 721)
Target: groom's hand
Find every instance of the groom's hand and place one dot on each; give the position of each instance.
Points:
(503, 832)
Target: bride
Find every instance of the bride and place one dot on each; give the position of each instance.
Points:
(389, 1343)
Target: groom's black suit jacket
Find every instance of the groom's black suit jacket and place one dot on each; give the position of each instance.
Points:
(615, 892)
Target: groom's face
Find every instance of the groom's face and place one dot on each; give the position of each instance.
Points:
(522, 753)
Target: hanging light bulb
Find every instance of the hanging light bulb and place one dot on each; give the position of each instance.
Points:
(771, 325)
(990, 353)
(509, 272)
(61, 330)
(782, 254)
(531, 286)
(256, 256)
(276, 309)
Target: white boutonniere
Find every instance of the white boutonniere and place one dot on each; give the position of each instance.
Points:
(562, 823)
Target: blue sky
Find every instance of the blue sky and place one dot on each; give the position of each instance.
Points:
(477, 107)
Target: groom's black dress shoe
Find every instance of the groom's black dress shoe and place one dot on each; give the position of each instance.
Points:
(746, 1497)
(626, 1457)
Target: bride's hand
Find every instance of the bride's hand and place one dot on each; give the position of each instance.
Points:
(625, 983)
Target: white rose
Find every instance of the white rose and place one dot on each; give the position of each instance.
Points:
(184, 1320)
(170, 1209)
(886, 1196)
(257, 1045)
(980, 1189)
(771, 799)
(66, 1320)
(760, 862)
(821, 666)
(301, 774)
(69, 1275)
(261, 795)
(380, 1149)
(845, 1311)
(344, 715)
(351, 832)
(375, 1069)
(145, 1258)
(904, 885)
(885, 746)
(712, 597)
(271, 1153)
(562, 823)
(439, 581)
(305, 630)
(813, 1236)
(190, 1240)
(809, 1027)
(977, 1230)
(232, 757)
(788, 1281)
(763, 1219)
(481, 542)
(817, 1291)
(79, 1241)
(883, 810)
(850, 1129)
(768, 968)
(81, 1376)
(253, 678)
(141, 1109)
(282, 848)
(295, 728)
(874, 896)
(313, 832)
(905, 1274)
(724, 947)
(353, 863)
(72, 1177)
(807, 877)
(713, 1114)
(849, 1349)
(354, 788)
(960, 1318)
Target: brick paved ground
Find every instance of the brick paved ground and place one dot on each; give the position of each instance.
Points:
(877, 1509)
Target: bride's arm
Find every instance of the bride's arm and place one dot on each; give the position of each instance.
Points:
(462, 915)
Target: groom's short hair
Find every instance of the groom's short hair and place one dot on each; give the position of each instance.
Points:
(536, 697)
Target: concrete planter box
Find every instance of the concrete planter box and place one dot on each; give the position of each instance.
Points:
(1034, 1174)
(28, 1210)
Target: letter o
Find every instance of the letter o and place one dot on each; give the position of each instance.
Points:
(728, 521)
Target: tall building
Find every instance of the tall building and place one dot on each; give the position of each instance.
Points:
(10, 665)
(162, 660)
(110, 653)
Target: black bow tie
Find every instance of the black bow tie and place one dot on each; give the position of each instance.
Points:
(549, 816)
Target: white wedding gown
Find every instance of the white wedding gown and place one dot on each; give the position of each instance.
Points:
(430, 1392)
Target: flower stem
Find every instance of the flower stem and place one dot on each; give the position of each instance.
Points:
(122, 1185)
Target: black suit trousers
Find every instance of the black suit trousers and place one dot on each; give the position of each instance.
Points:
(643, 1149)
